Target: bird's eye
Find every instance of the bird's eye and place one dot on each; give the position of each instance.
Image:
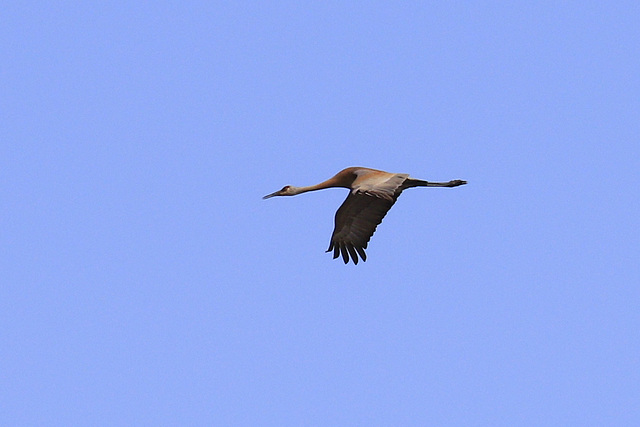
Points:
(285, 188)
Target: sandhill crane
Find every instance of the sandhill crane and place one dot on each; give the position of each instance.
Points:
(372, 194)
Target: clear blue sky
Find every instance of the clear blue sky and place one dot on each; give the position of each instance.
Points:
(145, 282)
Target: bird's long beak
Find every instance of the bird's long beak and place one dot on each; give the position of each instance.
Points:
(268, 196)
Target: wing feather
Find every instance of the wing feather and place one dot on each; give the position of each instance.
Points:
(356, 221)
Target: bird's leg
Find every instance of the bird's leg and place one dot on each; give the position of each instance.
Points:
(420, 183)
(452, 183)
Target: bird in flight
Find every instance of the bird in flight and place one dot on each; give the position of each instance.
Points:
(372, 194)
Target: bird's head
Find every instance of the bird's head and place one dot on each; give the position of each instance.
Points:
(287, 190)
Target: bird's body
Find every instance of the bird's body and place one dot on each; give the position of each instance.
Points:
(373, 193)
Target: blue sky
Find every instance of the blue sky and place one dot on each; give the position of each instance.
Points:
(145, 282)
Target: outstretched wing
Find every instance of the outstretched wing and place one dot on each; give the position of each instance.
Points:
(355, 223)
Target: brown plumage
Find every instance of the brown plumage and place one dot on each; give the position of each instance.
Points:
(373, 193)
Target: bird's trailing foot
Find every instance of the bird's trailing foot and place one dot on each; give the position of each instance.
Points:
(455, 183)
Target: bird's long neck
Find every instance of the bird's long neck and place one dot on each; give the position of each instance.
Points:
(330, 183)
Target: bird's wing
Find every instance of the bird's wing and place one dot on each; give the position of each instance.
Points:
(383, 185)
(355, 223)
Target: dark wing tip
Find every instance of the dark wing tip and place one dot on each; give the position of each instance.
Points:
(348, 251)
(352, 252)
(345, 254)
